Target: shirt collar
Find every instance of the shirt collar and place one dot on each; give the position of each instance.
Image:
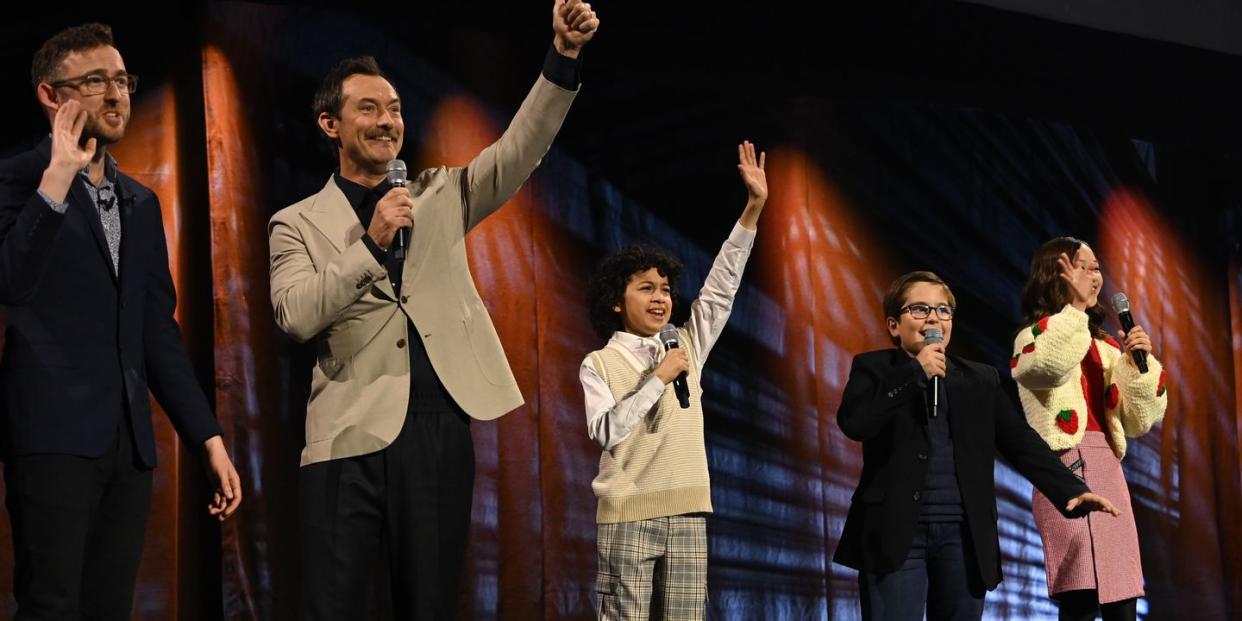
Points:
(633, 342)
(356, 193)
(109, 169)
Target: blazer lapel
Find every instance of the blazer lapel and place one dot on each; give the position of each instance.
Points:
(333, 217)
(125, 203)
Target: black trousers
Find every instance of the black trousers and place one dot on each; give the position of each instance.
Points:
(78, 528)
(407, 505)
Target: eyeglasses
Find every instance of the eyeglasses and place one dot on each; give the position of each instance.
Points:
(923, 311)
(95, 84)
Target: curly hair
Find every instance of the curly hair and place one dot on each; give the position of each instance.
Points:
(1046, 293)
(606, 288)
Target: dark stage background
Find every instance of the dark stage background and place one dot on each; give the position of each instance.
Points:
(944, 135)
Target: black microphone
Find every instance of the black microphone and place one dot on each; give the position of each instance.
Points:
(668, 336)
(931, 337)
(1121, 304)
(396, 178)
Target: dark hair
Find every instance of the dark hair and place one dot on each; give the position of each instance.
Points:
(331, 97)
(53, 51)
(607, 286)
(1046, 293)
(896, 296)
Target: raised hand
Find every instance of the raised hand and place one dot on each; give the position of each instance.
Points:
(69, 154)
(1082, 283)
(755, 178)
(574, 23)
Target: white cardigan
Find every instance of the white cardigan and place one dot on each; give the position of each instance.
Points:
(1047, 364)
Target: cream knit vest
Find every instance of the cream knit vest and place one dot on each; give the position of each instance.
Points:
(660, 469)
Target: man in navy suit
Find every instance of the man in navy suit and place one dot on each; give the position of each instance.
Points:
(89, 304)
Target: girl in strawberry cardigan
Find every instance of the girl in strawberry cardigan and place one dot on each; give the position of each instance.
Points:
(1082, 392)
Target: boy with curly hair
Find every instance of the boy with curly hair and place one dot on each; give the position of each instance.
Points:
(653, 485)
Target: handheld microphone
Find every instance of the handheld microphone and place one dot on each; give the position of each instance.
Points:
(396, 178)
(668, 336)
(931, 337)
(1121, 304)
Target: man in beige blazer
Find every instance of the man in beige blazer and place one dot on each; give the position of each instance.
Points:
(407, 353)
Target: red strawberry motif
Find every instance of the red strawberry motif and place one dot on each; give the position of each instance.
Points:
(1013, 362)
(1067, 420)
(1160, 386)
(1040, 328)
(1112, 395)
(1030, 347)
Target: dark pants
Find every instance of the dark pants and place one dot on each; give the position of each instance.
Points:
(78, 527)
(1085, 605)
(939, 574)
(408, 505)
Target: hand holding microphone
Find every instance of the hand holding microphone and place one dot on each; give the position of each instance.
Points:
(1133, 337)
(393, 213)
(933, 361)
(675, 366)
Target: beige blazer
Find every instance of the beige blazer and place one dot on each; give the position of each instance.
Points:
(328, 287)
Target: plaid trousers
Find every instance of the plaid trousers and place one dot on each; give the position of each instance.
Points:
(665, 556)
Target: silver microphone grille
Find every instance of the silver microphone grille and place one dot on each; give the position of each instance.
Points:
(668, 334)
(396, 172)
(1121, 303)
(933, 336)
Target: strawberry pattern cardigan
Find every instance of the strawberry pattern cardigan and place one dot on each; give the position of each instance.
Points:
(1047, 364)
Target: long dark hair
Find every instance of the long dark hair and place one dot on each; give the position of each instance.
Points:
(1046, 293)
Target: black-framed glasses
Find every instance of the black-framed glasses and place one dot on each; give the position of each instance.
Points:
(923, 311)
(97, 84)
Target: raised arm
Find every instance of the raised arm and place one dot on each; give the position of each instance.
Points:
(710, 311)
(497, 172)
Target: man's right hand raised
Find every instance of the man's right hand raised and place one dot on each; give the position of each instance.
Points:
(68, 154)
(392, 213)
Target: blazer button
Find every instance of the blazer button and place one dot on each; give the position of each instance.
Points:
(916, 496)
(922, 456)
(400, 343)
(405, 298)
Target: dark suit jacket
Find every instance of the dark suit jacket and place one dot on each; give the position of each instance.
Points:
(884, 407)
(82, 347)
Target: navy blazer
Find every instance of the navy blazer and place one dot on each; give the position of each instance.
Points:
(82, 346)
(885, 407)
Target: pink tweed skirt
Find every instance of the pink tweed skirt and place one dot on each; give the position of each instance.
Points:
(1097, 551)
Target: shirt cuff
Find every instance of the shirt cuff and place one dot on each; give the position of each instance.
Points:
(562, 71)
(379, 253)
(57, 207)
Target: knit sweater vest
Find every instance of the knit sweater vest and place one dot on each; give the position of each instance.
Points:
(660, 469)
(1047, 364)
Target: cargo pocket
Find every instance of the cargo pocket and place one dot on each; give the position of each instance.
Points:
(606, 592)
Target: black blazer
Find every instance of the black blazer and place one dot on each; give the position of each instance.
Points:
(884, 407)
(82, 346)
